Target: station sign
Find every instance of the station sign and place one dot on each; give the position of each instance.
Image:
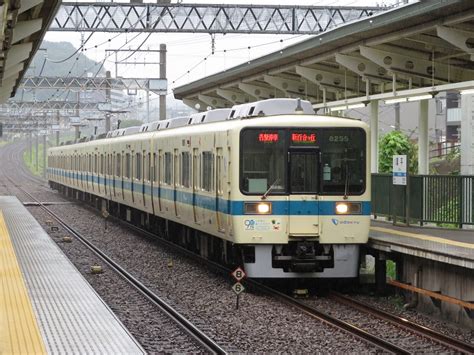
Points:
(399, 170)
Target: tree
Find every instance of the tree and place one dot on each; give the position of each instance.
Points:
(130, 123)
(396, 143)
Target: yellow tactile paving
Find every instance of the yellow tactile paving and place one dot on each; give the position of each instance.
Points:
(19, 331)
(423, 237)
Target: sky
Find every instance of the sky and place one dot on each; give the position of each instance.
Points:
(186, 51)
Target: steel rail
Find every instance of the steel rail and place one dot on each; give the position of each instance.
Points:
(452, 343)
(308, 310)
(184, 323)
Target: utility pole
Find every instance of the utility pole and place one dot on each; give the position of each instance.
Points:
(37, 147)
(108, 100)
(57, 132)
(397, 116)
(163, 76)
(30, 145)
(45, 159)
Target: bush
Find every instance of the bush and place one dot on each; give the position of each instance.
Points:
(396, 143)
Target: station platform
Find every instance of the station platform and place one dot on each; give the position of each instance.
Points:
(46, 306)
(455, 247)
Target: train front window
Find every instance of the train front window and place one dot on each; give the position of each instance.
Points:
(343, 161)
(304, 171)
(263, 161)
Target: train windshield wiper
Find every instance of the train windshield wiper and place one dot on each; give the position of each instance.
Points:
(264, 196)
(346, 161)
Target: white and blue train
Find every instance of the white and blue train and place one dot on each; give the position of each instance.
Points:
(268, 185)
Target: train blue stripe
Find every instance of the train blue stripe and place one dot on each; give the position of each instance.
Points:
(236, 208)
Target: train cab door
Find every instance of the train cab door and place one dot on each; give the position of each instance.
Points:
(196, 172)
(114, 173)
(220, 184)
(159, 178)
(176, 178)
(303, 185)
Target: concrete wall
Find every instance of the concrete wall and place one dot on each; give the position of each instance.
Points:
(446, 279)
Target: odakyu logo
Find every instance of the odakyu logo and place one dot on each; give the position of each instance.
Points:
(337, 222)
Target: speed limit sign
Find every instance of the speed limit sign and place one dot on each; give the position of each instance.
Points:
(238, 274)
(238, 288)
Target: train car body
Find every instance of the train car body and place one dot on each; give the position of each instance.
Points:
(286, 195)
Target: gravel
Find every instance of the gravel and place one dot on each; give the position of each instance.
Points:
(261, 324)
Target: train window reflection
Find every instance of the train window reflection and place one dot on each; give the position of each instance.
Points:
(343, 161)
(263, 161)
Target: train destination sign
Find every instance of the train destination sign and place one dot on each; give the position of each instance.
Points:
(303, 138)
(268, 137)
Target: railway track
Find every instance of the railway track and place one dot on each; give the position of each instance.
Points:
(347, 327)
(206, 343)
(404, 323)
(452, 344)
(308, 310)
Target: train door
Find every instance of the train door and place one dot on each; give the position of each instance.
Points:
(176, 177)
(220, 183)
(160, 178)
(153, 176)
(122, 174)
(303, 185)
(145, 174)
(95, 172)
(196, 173)
(114, 173)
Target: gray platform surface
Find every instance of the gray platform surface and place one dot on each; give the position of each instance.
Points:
(450, 246)
(73, 319)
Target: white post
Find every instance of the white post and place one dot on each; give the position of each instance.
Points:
(374, 136)
(467, 150)
(467, 134)
(423, 142)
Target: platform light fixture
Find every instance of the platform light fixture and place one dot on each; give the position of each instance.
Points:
(396, 101)
(420, 97)
(338, 108)
(467, 92)
(361, 105)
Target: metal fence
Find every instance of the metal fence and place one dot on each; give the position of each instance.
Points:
(441, 199)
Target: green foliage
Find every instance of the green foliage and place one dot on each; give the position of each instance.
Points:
(130, 123)
(31, 163)
(391, 270)
(449, 212)
(396, 143)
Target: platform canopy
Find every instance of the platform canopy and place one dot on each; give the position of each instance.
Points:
(22, 26)
(421, 46)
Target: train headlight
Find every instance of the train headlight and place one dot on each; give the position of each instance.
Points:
(348, 208)
(258, 208)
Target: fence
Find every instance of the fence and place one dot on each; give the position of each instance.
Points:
(442, 199)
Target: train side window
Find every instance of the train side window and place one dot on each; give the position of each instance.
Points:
(109, 165)
(186, 169)
(96, 164)
(149, 172)
(138, 166)
(168, 168)
(196, 157)
(127, 165)
(102, 164)
(207, 171)
(155, 168)
(177, 165)
(118, 164)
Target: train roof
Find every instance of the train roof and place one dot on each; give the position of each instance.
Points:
(263, 112)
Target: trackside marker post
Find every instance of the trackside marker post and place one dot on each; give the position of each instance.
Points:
(238, 288)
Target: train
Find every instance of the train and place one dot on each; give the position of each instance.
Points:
(267, 185)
